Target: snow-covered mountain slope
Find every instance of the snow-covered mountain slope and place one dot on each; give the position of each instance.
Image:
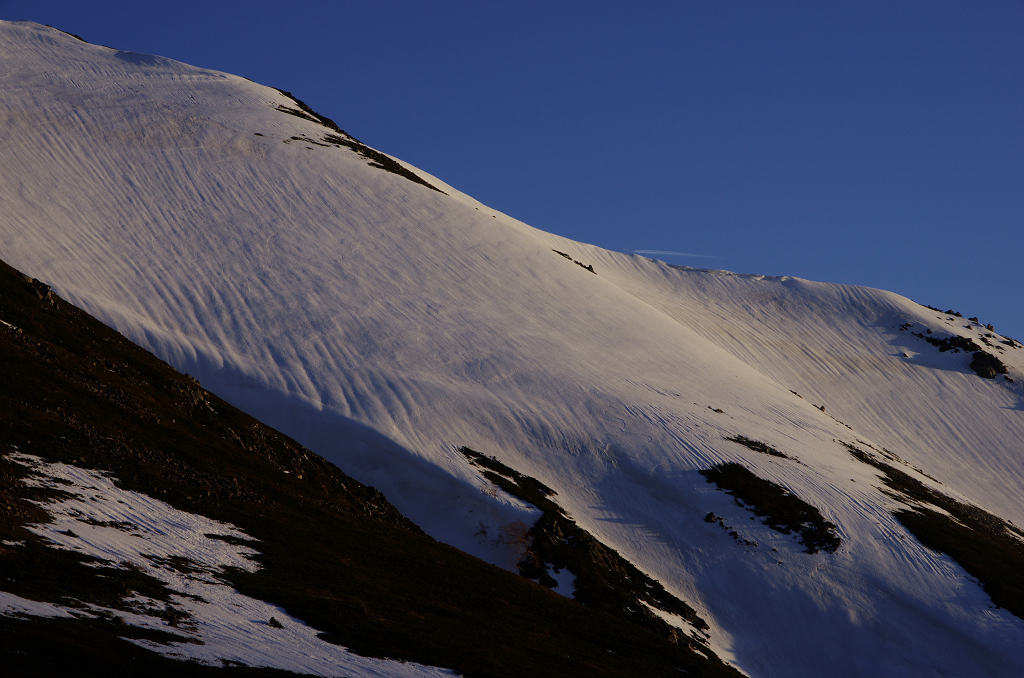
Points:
(843, 347)
(384, 324)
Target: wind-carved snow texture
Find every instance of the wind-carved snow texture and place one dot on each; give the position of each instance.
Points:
(188, 553)
(383, 324)
(557, 554)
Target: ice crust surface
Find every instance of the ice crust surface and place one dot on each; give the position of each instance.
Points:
(384, 325)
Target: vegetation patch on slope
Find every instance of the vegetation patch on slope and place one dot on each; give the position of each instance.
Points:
(333, 552)
(989, 548)
(782, 510)
(604, 579)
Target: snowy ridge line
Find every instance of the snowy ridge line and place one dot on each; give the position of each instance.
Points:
(381, 325)
(126, 529)
(376, 158)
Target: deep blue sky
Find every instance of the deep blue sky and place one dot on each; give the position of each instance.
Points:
(879, 144)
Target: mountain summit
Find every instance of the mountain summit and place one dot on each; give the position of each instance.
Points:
(828, 475)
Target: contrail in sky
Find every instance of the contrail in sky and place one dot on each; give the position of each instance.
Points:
(675, 254)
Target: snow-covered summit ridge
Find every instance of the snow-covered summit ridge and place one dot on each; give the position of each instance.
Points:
(384, 325)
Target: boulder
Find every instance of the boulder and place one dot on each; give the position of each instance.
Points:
(987, 366)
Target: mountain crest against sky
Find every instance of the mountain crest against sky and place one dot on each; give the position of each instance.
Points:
(386, 324)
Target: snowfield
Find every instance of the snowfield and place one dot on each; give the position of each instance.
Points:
(384, 325)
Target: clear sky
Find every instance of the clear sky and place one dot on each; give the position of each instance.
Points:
(873, 143)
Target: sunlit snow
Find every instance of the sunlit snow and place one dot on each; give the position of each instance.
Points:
(384, 325)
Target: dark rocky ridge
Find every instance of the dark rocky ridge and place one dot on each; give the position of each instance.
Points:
(983, 363)
(780, 509)
(986, 546)
(343, 138)
(604, 579)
